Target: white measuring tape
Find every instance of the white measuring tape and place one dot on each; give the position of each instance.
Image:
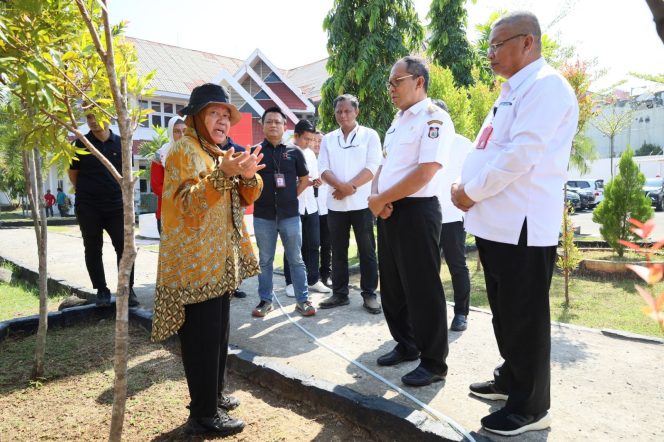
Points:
(432, 412)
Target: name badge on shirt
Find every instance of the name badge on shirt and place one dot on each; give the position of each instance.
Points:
(484, 138)
(279, 180)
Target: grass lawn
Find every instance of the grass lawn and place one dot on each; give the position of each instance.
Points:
(610, 255)
(594, 302)
(20, 299)
(74, 400)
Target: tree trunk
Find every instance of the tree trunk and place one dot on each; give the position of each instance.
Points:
(611, 155)
(565, 238)
(32, 168)
(126, 263)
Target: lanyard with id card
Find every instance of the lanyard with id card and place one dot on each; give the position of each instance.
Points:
(280, 178)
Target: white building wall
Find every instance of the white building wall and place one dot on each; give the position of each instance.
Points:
(647, 126)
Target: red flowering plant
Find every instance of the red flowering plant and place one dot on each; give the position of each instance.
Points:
(651, 273)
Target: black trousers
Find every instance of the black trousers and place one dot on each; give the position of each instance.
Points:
(325, 269)
(310, 245)
(410, 285)
(92, 222)
(518, 279)
(204, 344)
(362, 222)
(453, 251)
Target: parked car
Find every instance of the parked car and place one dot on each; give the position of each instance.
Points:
(654, 189)
(586, 196)
(573, 199)
(595, 186)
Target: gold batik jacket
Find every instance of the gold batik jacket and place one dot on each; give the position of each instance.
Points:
(205, 250)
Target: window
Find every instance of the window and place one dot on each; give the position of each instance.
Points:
(161, 114)
(143, 183)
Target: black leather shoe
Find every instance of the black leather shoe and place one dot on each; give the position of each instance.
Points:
(395, 357)
(239, 294)
(103, 297)
(421, 377)
(228, 402)
(133, 299)
(221, 425)
(459, 323)
(334, 301)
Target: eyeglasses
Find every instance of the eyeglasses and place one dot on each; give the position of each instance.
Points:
(494, 47)
(395, 83)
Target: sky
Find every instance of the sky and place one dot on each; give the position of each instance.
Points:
(618, 34)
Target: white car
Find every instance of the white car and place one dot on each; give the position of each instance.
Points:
(594, 185)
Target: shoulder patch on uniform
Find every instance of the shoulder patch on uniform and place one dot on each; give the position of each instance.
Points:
(434, 131)
(430, 122)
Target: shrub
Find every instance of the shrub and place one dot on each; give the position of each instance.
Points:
(623, 199)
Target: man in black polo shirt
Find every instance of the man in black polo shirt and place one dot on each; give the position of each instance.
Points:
(285, 176)
(99, 206)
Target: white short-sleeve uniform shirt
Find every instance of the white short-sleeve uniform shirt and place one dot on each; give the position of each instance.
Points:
(421, 134)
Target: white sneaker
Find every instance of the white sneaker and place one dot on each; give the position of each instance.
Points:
(319, 287)
(289, 291)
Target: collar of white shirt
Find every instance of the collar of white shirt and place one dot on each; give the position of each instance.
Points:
(417, 107)
(340, 133)
(517, 79)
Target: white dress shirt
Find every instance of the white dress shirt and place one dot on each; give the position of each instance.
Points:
(520, 173)
(321, 199)
(451, 172)
(346, 158)
(307, 200)
(421, 134)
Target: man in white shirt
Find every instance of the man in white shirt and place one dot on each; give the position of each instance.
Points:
(303, 137)
(325, 269)
(452, 233)
(511, 187)
(404, 197)
(349, 159)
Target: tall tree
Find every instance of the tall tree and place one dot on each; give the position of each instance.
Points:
(623, 199)
(468, 105)
(365, 38)
(610, 122)
(448, 44)
(53, 54)
(657, 9)
(583, 149)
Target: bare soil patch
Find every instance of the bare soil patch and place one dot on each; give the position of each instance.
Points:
(74, 401)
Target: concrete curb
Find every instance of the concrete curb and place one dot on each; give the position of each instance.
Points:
(387, 420)
(68, 221)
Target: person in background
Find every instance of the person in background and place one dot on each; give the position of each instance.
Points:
(98, 205)
(349, 158)
(303, 137)
(510, 187)
(276, 213)
(322, 191)
(49, 200)
(175, 131)
(452, 234)
(61, 200)
(205, 252)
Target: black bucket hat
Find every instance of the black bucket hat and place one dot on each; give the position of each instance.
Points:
(210, 93)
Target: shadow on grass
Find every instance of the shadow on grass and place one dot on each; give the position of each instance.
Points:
(89, 349)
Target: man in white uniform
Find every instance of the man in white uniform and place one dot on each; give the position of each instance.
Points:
(452, 233)
(511, 187)
(349, 158)
(404, 198)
